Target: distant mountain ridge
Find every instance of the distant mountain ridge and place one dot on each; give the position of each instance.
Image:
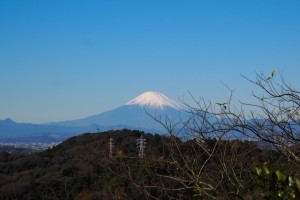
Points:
(139, 113)
(12, 129)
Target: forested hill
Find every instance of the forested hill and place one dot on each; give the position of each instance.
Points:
(80, 168)
(75, 168)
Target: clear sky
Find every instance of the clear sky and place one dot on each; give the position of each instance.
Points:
(68, 59)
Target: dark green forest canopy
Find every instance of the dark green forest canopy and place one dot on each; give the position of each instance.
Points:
(80, 168)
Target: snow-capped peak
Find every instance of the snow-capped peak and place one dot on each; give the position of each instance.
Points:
(154, 100)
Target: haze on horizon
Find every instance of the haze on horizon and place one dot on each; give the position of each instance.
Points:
(63, 60)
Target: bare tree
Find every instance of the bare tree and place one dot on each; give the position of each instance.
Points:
(202, 160)
(277, 121)
(274, 119)
(211, 154)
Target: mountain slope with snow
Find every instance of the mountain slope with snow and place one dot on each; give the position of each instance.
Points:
(138, 113)
(154, 100)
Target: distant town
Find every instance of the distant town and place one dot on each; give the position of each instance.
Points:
(32, 146)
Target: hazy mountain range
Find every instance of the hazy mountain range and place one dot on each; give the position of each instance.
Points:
(138, 113)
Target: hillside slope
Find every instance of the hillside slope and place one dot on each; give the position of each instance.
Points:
(80, 168)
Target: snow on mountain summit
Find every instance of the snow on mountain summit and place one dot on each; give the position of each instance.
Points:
(154, 100)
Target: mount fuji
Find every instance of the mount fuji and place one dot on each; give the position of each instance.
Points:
(139, 113)
(154, 100)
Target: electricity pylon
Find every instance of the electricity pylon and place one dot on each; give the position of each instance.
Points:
(141, 145)
(111, 148)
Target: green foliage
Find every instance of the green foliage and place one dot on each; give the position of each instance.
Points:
(113, 183)
(273, 184)
(69, 170)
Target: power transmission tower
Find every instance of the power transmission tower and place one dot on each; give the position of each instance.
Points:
(111, 148)
(141, 145)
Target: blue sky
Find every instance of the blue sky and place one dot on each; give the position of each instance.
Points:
(64, 59)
